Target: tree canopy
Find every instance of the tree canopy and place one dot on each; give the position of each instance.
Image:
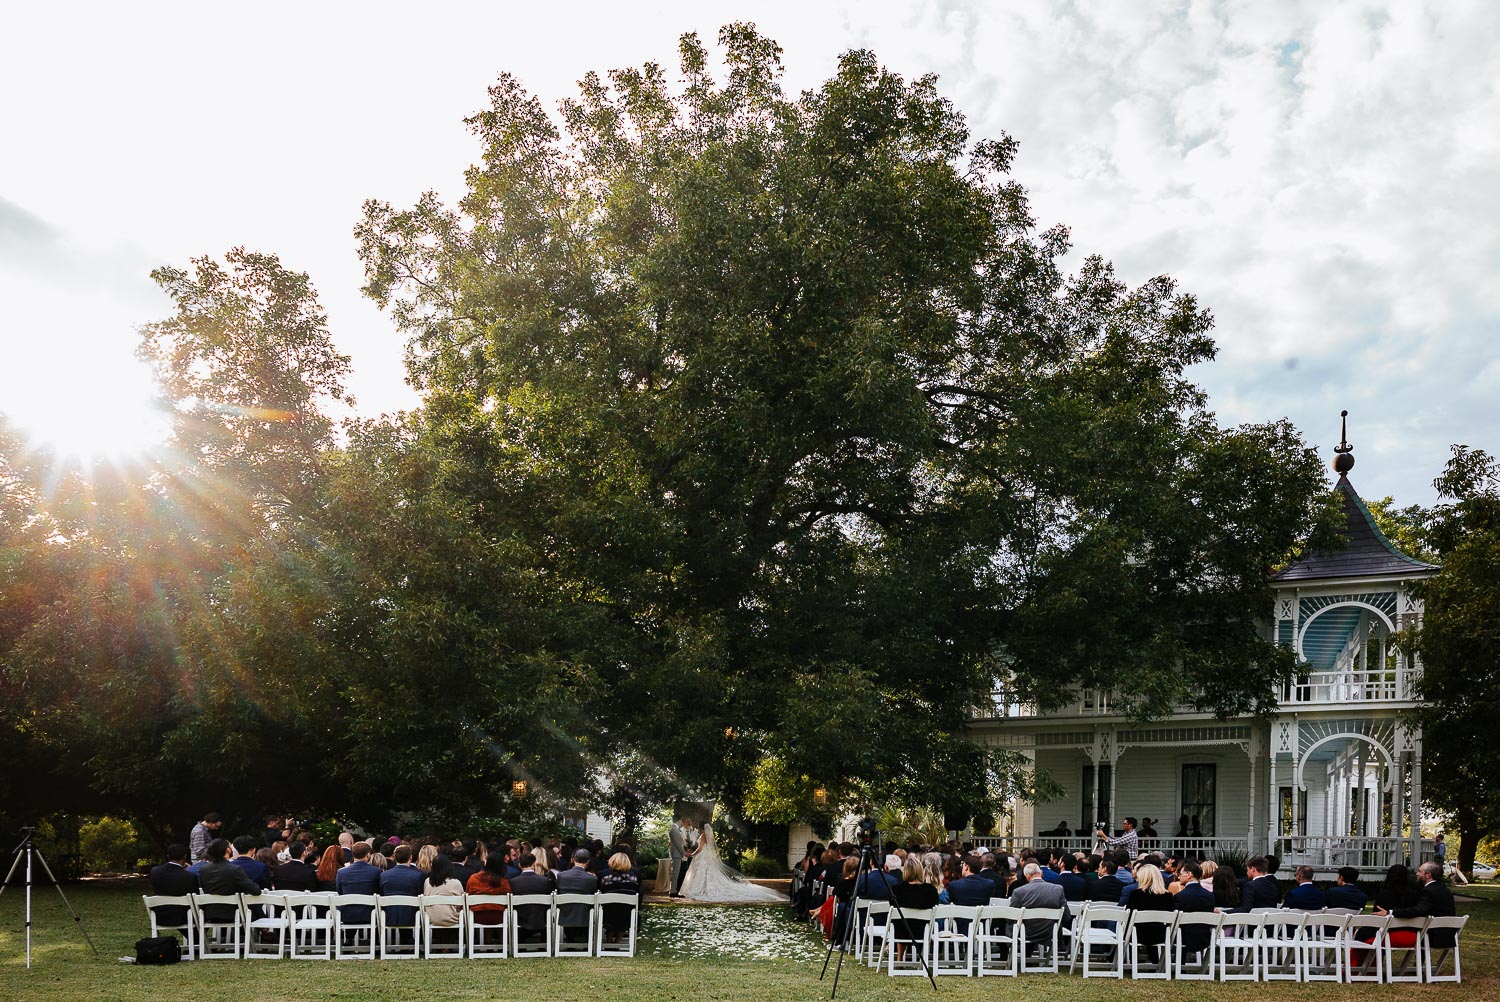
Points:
(755, 428)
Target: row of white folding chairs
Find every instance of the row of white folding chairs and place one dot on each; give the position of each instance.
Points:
(1268, 944)
(317, 927)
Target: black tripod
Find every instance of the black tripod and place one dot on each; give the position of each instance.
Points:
(27, 845)
(868, 850)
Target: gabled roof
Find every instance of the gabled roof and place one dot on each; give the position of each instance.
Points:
(1369, 553)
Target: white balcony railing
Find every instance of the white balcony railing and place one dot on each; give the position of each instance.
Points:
(1329, 852)
(1348, 686)
(1204, 848)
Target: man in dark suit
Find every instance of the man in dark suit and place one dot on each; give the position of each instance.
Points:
(295, 875)
(988, 871)
(1107, 888)
(531, 920)
(1306, 896)
(244, 858)
(172, 879)
(359, 877)
(219, 876)
(1261, 890)
(970, 890)
(1193, 897)
(402, 878)
(1346, 893)
(465, 861)
(574, 919)
(1071, 881)
(1435, 900)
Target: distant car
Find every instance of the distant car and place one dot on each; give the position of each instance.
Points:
(1482, 871)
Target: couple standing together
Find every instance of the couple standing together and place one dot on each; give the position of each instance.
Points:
(698, 874)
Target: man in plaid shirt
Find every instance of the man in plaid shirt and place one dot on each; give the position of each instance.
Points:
(1130, 842)
(203, 832)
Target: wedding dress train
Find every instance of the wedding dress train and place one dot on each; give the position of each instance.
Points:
(708, 879)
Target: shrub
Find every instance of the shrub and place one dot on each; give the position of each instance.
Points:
(108, 843)
(753, 864)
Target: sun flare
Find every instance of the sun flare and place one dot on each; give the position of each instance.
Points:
(90, 416)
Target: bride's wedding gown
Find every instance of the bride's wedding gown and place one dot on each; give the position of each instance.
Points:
(708, 879)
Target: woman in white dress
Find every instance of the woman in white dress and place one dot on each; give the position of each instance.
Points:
(708, 879)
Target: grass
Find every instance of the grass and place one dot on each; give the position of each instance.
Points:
(672, 966)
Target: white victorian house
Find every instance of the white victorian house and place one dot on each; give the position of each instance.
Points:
(1333, 778)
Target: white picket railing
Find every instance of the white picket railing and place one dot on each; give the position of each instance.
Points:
(1328, 852)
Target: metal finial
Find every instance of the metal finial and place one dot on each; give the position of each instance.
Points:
(1343, 458)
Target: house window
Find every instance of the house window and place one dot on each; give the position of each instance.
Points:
(1286, 811)
(1200, 784)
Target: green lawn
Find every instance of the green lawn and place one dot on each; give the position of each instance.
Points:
(671, 966)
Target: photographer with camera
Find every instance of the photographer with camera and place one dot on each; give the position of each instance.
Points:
(1129, 841)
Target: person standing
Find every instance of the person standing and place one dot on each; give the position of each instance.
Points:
(1127, 840)
(677, 850)
(203, 832)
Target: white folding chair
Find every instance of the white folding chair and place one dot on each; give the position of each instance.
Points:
(1042, 954)
(1364, 939)
(1324, 953)
(1101, 927)
(872, 936)
(582, 947)
(1239, 944)
(1140, 921)
(953, 947)
(265, 917)
(220, 925)
(997, 941)
(400, 935)
(1281, 945)
(310, 926)
(487, 941)
(188, 927)
(435, 917)
(1404, 963)
(626, 945)
(354, 938)
(520, 946)
(1433, 968)
(914, 934)
(1206, 968)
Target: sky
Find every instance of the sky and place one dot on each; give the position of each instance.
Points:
(1322, 176)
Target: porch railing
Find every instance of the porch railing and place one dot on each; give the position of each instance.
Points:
(1329, 852)
(1347, 687)
(1203, 848)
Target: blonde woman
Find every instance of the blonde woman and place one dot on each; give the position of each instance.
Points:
(425, 856)
(1150, 895)
(932, 869)
(1208, 867)
(913, 893)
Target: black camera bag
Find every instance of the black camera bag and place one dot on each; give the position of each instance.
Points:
(158, 950)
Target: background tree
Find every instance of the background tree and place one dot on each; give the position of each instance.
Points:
(791, 404)
(1459, 641)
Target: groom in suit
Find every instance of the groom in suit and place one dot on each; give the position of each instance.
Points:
(690, 849)
(677, 846)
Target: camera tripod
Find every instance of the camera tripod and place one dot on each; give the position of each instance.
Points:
(867, 852)
(27, 845)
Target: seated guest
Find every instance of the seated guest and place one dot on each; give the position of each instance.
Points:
(444, 918)
(1193, 897)
(621, 879)
(574, 919)
(534, 878)
(425, 856)
(328, 868)
(1306, 896)
(913, 893)
(1150, 894)
(989, 871)
(1262, 890)
(970, 889)
(172, 879)
(465, 862)
(219, 876)
(1346, 893)
(359, 877)
(1226, 888)
(295, 875)
(244, 858)
(1037, 893)
(1434, 901)
(402, 878)
(512, 858)
(1127, 884)
(1071, 881)
(1108, 887)
(490, 879)
(267, 857)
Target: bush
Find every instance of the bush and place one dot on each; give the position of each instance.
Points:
(110, 844)
(753, 864)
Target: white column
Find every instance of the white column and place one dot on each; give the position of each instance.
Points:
(1250, 825)
(1416, 799)
(1362, 815)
